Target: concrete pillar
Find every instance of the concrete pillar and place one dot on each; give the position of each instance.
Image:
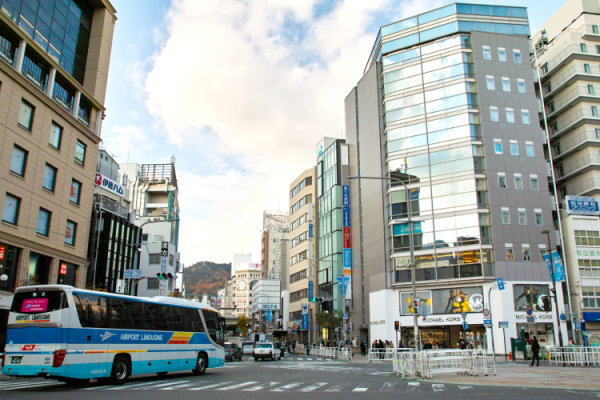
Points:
(75, 110)
(81, 276)
(20, 57)
(22, 267)
(98, 128)
(53, 273)
(51, 79)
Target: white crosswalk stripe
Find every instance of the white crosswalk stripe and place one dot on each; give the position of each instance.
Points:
(312, 387)
(162, 385)
(337, 387)
(261, 387)
(25, 385)
(438, 387)
(125, 387)
(413, 387)
(211, 386)
(286, 387)
(462, 387)
(363, 387)
(388, 387)
(237, 386)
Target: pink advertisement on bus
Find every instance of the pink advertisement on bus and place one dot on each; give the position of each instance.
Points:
(34, 305)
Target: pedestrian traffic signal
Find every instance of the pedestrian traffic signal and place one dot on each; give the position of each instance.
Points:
(396, 326)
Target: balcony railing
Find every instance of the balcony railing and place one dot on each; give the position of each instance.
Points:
(62, 96)
(566, 146)
(571, 120)
(563, 55)
(561, 103)
(7, 49)
(557, 82)
(590, 32)
(158, 173)
(589, 160)
(584, 187)
(112, 206)
(36, 72)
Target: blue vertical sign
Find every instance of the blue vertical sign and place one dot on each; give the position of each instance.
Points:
(310, 290)
(310, 231)
(343, 282)
(500, 283)
(559, 267)
(304, 326)
(347, 259)
(346, 217)
(345, 195)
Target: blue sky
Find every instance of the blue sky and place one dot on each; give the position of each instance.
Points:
(240, 92)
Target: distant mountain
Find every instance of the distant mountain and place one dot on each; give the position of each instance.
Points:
(206, 277)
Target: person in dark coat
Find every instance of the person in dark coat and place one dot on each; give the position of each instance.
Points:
(535, 352)
(363, 348)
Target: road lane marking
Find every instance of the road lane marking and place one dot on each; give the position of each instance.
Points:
(388, 387)
(438, 387)
(162, 385)
(413, 387)
(286, 387)
(261, 387)
(25, 385)
(337, 388)
(211, 386)
(363, 387)
(237, 386)
(313, 387)
(462, 387)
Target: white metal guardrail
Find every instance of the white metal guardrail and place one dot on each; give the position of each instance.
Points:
(574, 356)
(381, 355)
(424, 364)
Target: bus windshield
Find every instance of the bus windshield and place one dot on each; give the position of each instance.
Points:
(39, 301)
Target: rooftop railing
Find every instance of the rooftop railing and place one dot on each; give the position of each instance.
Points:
(566, 146)
(564, 54)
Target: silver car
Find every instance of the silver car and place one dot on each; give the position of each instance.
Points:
(247, 348)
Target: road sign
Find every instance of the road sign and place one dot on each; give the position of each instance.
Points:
(310, 289)
(487, 323)
(529, 312)
(464, 316)
(132, 274)
(486, 312)
(530, 319)
(503, 324)
(562, 316)
(310, 231)
(500, 282)
(345, 316)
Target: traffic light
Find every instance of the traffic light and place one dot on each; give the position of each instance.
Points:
(319, 299)
(164, 276)
(416, 307)
(396, 326)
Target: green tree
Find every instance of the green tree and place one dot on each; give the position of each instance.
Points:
(242, 324)
(329, 320)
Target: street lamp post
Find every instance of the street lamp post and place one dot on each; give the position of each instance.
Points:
(411, 248)
(560, 338)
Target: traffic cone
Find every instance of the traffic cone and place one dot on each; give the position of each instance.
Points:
(510, 356)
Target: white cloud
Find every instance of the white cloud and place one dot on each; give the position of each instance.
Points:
(268, 94)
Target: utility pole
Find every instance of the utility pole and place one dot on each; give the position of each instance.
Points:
(560, 338)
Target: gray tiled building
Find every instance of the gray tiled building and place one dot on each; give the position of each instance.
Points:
(447, 106)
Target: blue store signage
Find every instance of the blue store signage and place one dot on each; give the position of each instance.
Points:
(345, 195)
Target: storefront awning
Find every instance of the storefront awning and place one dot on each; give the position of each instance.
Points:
(591, 316)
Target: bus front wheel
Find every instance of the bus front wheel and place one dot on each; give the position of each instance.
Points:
(121, 371)
(201, 364)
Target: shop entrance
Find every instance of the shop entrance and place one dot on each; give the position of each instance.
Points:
(544, 332)
(446, 337)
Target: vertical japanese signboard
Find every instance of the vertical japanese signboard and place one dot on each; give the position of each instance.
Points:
(164, 256)
(347, 243)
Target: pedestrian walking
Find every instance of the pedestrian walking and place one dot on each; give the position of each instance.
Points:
(535, 352)
(363, 348)
(381, 350)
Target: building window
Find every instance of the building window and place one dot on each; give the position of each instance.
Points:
(517, 54)
(43, 223)
(487, 54)
(19, 161)
(501, 54)
(299, 295)
(598, 48)
(55, 135)
(49, 178)
(514, 149)
(587, 69)
(597, 132)
(506, 84)
(26, 115)
(526, 255)
(539, 220)
(171, 259)
(525, 117)
(522, 218)
(154, 258)
(594, 111)
(491, 85)
(80, 153)
(502, 182)
(587, 238)
(498, 147)
(494, 114)
(75, 191)
(590, 90)
(595, 29)
(535, 184)
(506, 217)
(518, 183)
(583, 47)
(530, 150)
(11, 209)
(590, 296)
(510, 116)
(521, 86)
(70, 233)
(152, 284)
(509, 255)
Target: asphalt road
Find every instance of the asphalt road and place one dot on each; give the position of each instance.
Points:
(293, 377)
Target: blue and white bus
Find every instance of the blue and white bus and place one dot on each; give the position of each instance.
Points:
(70, 334)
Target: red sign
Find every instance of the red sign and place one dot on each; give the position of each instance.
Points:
(2, 253)
(213, 302)
(28, 347)
(346, 237)
(63, 269)
(218, 307)
(73, 191)
(68, 233)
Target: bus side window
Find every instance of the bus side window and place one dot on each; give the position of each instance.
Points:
(178, 317)
(156, 317)
(134, 312)
(118, 314)
(81, 312)
(193, 322)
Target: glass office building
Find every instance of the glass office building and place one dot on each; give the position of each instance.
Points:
(445, 107)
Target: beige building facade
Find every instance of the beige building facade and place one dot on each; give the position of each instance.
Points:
(51, 108)
(302, 207)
